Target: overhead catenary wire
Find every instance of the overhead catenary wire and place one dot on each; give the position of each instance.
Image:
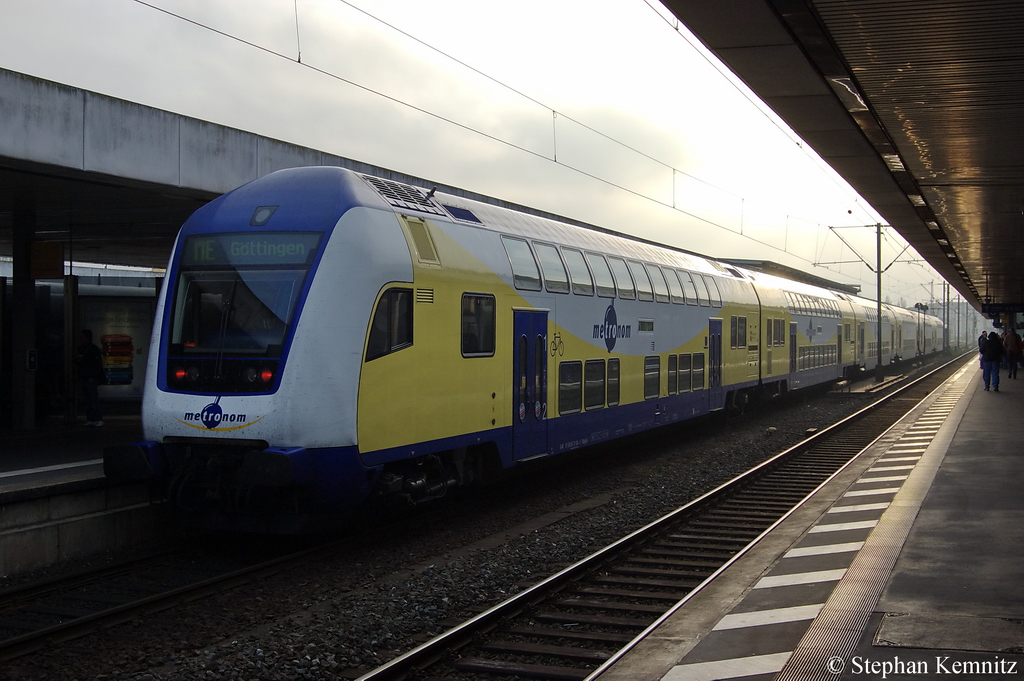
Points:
(556, 114)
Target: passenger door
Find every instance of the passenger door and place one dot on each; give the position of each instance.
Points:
(530, 384)
(715, 400)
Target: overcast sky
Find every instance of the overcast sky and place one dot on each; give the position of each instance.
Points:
(600, 110)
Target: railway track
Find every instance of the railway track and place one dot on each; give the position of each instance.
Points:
(565, 627)
(40, 614)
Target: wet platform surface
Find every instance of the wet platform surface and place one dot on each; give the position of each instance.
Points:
(907, 566)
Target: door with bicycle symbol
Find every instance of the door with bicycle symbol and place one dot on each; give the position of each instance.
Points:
(530, 382)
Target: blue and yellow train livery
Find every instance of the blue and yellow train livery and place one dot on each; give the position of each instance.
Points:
(324, 337)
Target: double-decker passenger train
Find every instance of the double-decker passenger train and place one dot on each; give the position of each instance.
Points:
(325, 336)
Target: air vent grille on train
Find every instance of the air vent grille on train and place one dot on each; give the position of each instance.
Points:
(404, 195)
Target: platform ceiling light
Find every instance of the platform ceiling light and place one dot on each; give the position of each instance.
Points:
(916, 199)
(894, 162)
(932, 225)
(847, 93)
(944, 242)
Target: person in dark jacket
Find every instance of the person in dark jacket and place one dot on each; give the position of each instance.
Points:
(90, 375)
(1012, 346)
(991, 358)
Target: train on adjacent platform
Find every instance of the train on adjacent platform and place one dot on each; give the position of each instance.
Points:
(325, 337)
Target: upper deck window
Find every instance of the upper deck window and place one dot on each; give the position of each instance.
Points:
(674, 288)
(623, 280)
(556, 280)
(582, 284)
(643, 282)
(658, 279)
(702, 290)
(525, 274)
(602, 275)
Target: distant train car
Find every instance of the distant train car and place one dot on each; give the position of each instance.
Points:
(326, 337)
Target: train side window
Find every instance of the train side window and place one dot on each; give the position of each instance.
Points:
(738, 331)
(602, 275)
(688, 288)
(685, 362)
(613, 381)
(769, 331)
(582, 283)
(660, 286)
(674, 288)
(702, 290)
(697, 371)
(673, 374)
(780, 332)
(644, 291)
(525, 274)
(478, 323)
(716, 295)
(652, 377)
(391, 329)
(570, 387)
(623, 280)
(593, 384)
(555, 278)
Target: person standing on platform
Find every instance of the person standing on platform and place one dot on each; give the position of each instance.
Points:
(991, 357)
(1012, 346)
(982, 339)
(90, 375)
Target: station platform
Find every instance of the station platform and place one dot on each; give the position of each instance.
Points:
(58, 453)
(907, 565)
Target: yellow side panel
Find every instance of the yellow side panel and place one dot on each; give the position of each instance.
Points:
(430, 391)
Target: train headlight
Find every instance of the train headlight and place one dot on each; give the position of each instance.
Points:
(251, 374)
(193, 373)
(179, 373)
(266, 375)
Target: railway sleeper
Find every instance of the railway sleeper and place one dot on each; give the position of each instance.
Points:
(746, 513)
(655, 572)
(716, 519)
(600, 620)
(690, 550)
(714, 532)
(801, 476)
(569, 634)
(609, 605)
(708, 543)
(646, 559)
(533, 671)
(619, 580)
(587, 654)
(672, 597)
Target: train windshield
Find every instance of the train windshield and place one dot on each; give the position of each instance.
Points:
(236, 293)
(234, 302)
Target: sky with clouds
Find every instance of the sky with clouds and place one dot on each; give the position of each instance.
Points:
(605, 111)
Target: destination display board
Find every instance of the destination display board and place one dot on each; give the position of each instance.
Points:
(250, 249)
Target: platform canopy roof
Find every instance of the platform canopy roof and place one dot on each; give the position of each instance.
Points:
(918, 104)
